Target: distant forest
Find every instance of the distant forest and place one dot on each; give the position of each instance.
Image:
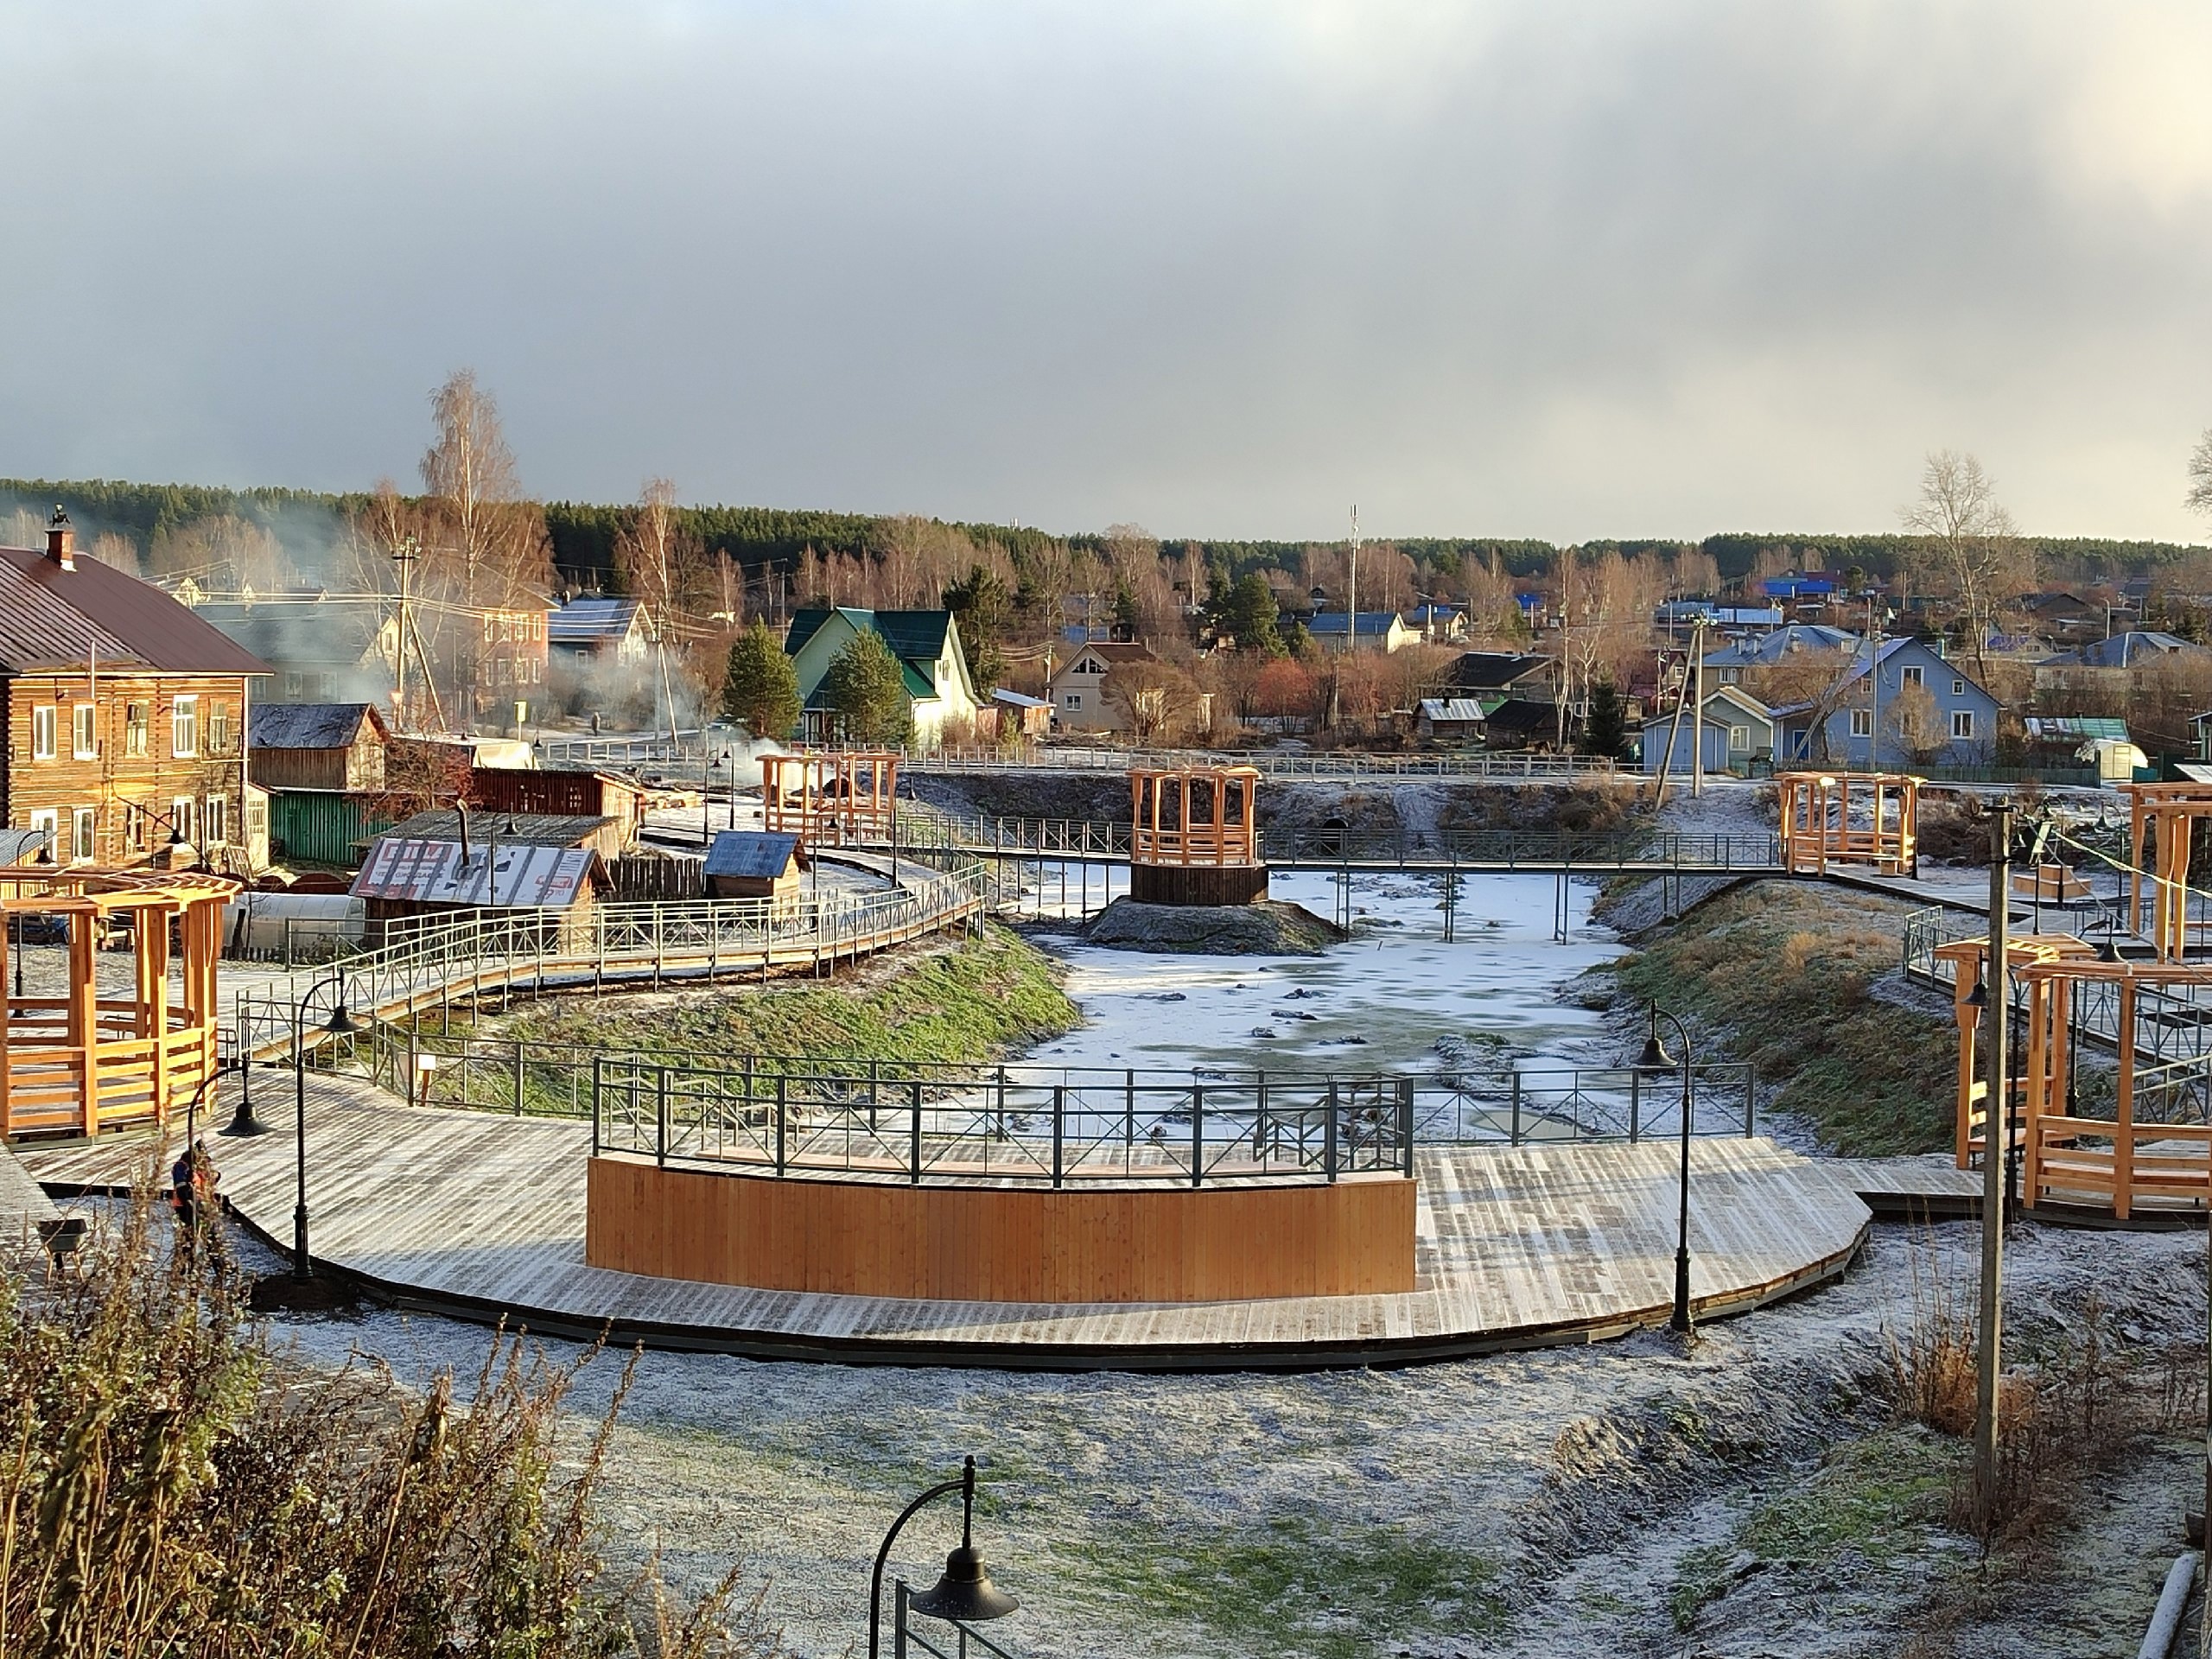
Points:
(583, 535)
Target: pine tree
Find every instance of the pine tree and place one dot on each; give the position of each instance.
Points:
(1606, 732)
(1247, 614)
(761, 686)
(867, 691)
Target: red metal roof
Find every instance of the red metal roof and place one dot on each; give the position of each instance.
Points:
(52, 618)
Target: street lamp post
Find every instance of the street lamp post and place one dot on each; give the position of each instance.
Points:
(1655, 1057)
(337, 1024)
(965, 1593)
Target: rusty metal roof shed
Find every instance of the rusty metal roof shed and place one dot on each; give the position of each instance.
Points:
(512, 875)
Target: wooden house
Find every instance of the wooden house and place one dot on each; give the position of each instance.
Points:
(749, 864)
(932, 666)
(123, 716)
(330, 746)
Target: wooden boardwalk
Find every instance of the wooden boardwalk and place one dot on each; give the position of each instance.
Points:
(482, 1217)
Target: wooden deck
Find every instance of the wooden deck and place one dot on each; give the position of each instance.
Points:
(482, 1217)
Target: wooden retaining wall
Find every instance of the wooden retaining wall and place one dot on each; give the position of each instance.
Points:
(1001, 1243)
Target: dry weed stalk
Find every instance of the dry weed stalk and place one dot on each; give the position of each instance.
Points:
(169, 1484)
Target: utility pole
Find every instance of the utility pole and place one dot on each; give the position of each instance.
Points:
(1874, 682)
(1352, 598)
(1996, 1146)
(1697, 716)
(404, 556)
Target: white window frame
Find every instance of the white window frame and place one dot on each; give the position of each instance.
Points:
(48, 819)
(46, 726)
(1962, 725)
(1072, 700)
(1739, 739)
(1862, 722)
(1911, 674)
(219, 728)
(215, 814)
(184, 727)
(182, 814)
(134, 826)
(1958, 688)
(85, 731)
(84, 834)
(138, 723)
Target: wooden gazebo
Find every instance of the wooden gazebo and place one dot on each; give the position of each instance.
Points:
(1818, 826)
(2142, 1140)
(831, 797)
(79, 1062)
(1194, 837)
(2162, 819)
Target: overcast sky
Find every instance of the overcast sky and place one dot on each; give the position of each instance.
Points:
(1552, 268)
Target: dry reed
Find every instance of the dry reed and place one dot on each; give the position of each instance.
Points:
(170, 1483)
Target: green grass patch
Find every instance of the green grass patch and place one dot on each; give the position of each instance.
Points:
(1300, 1584)
(1784, 967)
(1876, 1499)
(976, 1003)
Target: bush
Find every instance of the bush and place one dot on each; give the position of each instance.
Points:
(174, 1486)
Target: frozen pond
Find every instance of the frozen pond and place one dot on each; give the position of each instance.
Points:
(1379, 1003)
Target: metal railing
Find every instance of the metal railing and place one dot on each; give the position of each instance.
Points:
(985, 836)
(1272, 763)
(427, 961)
(924, 1122)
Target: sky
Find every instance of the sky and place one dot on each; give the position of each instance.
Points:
(1563, 267)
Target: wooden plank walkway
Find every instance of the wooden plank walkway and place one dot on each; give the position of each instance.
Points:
(483, 1216)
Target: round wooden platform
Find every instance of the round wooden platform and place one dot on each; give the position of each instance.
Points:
(482, 1217)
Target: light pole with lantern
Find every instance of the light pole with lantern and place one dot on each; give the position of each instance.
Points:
(1655, 1057)
(338, 1025)
(964, 1595)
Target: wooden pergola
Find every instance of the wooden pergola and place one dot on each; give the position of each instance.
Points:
(1193, 835)
(829, 795)
(2150, 1142)
(2161, 822)
(79, 1062)
(1817, 830)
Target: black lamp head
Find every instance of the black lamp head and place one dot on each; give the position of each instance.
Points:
(965, 1592)
(1655, 1056)
(2109, 950)
(341, 1021)
(1978, 997)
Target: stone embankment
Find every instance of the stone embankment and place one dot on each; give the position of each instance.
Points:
(1270, 928)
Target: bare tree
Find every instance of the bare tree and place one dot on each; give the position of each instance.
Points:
(1916, 723)
(1967, 548)
(494, 544)
(2199, 475)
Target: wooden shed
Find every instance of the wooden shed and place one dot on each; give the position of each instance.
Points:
(753, 864)
(599, 834)
(327, 746)
(407, 877)
(564, 791)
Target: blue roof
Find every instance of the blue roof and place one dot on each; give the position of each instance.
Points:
(1369, 622)
(750, 852)
(586, 621)
(1778, 646)
(2126, 650)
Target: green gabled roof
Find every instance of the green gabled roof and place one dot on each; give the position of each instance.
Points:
(918, 684)
(917, 635)
(807, 623)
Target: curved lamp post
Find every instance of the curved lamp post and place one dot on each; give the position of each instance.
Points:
(965, 1592)
(337, 1024)
(1655, 1057)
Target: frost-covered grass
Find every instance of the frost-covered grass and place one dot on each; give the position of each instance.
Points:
(1784, 970)
(1878, 1499)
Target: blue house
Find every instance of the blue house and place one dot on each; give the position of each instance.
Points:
(1960, 728)
(1782, 645)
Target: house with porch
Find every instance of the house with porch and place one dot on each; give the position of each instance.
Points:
(1738, 730)
(1916, 707)
(932, 663)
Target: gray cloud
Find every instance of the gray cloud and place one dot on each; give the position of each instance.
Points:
(1552, 268)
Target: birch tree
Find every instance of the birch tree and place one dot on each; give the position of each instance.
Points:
(1967, 547)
